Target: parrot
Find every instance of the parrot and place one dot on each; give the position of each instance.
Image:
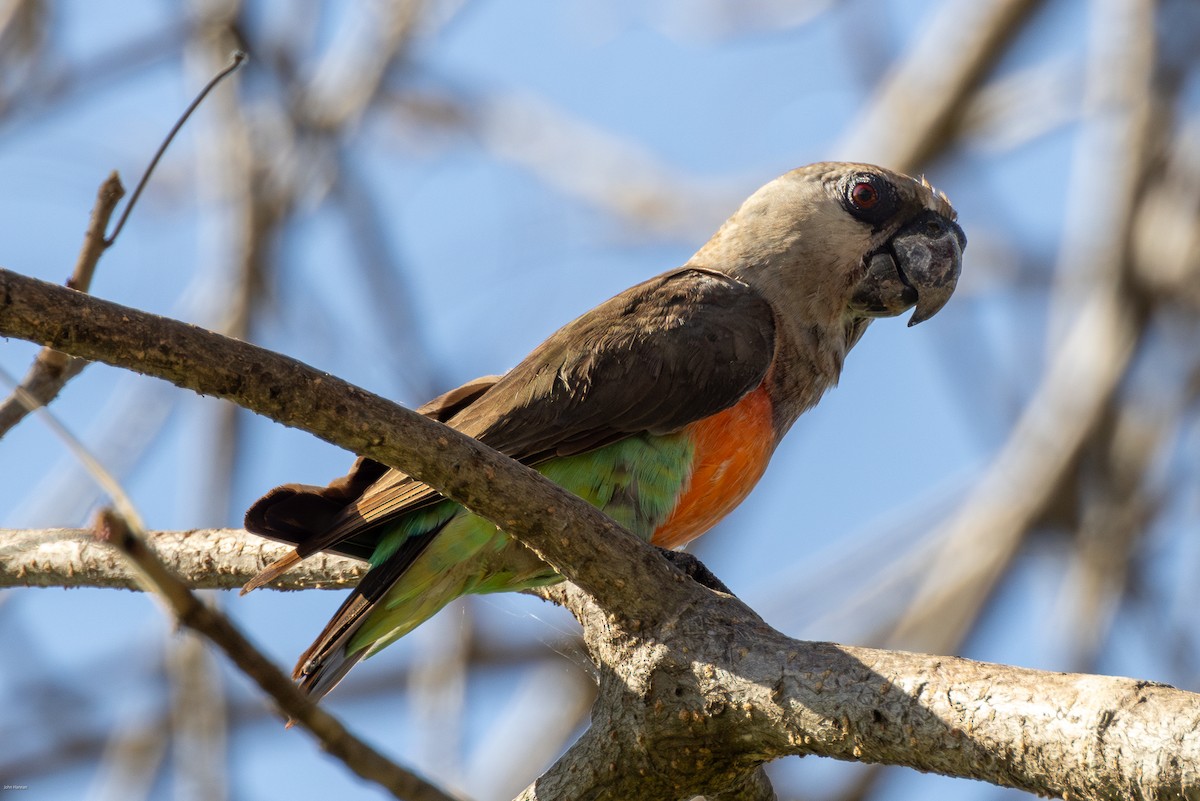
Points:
(661, 406)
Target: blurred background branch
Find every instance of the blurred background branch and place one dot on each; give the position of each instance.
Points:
(409, 194)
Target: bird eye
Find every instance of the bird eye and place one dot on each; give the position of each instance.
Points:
(870, 198)
(864, 195)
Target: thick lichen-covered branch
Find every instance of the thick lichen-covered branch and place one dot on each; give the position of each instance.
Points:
(696, 692)
(571, 535)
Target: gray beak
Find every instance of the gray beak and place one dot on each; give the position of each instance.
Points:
(918, 266)
(929, 258)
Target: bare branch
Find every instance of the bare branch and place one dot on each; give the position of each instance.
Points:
(191, 612)
(52, 369)
(713, 693)
(210, 559)
(690, 707)
(574, 537)
(235, 61)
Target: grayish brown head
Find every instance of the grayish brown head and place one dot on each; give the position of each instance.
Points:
(835, 242)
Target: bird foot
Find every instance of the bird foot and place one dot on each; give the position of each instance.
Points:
(694, 569)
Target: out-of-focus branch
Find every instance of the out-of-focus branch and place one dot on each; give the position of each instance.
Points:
(53, 86)
(1081, 376)
(985, 532)
(52, 369)
(198, 719)
(130, 761)
(1011, 111)
(576, 158)
(913, 114)
(601, 168)
(352, 72)
(80, 742)
(365, 761)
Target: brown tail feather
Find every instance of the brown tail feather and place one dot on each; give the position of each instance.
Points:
(272, 572)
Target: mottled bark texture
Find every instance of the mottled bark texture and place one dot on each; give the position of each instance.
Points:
(691, 706)
(210, 559)
(696, 692)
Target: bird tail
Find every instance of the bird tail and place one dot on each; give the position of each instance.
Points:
(328, 659)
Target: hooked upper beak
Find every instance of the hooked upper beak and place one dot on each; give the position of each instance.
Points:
(919, 265)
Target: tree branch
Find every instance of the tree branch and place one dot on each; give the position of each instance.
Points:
(205, 559)
(52, 369)
(696, 692)
(698, 704)
(361, 758)
(574, 537)
(691, 708)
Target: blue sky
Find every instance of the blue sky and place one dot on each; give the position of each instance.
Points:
(498, 243)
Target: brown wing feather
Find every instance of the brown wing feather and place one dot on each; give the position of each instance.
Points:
(667, 352)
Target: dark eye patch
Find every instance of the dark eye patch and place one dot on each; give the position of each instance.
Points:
(869, 197)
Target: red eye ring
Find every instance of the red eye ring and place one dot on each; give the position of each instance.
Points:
(864, 195)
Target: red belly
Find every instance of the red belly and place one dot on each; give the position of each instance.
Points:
(732, 449)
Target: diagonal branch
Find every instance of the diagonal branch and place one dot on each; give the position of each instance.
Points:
(364, 760)
(915, 110)
(574, 537)
(52, 369)
(696, 692)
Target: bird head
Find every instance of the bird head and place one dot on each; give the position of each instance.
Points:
(842, 242)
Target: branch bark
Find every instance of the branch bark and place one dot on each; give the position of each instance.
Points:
(187, 608)
(52, 369)
(205, 559)
(578, 540)
(716, 692)
(696, 692)
(695, 707)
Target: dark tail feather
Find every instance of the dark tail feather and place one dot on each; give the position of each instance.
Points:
(315, 518)
(327, 675)
(326, 661)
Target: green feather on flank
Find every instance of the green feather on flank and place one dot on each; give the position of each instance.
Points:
(635, 481)
(417, 522)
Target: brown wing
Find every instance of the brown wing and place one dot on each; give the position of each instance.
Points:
(667, 352)
(314, 518)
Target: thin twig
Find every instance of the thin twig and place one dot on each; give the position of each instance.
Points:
(192, 613)
(236, 60)
(52, 369)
